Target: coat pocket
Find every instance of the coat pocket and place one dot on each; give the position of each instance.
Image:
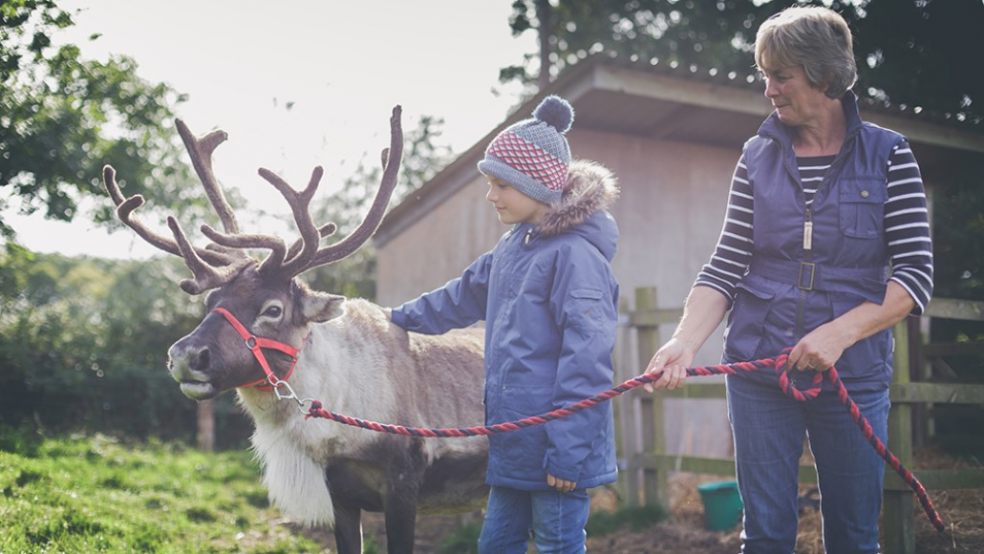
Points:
(587, 310)
(520, 454)
(746, 323)
(862, 207)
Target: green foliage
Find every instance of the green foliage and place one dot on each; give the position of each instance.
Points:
(83, 343)
(636, 519)
(369, 546)
(63, 117)
(958, 226)
(95, 494)
(906, 62)
(464, 540)
(958, 255)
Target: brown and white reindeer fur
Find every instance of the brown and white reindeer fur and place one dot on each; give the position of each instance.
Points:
(351, 358)
(360, 364)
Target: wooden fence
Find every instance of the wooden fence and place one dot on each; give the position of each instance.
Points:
(644, 474)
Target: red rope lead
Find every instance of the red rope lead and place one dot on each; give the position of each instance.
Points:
(778, 363)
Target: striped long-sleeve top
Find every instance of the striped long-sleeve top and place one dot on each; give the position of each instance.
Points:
(906, 227)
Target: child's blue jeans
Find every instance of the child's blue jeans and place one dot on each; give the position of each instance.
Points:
(557, 520)
(768, 431)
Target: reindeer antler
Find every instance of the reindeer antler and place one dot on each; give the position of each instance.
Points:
(305, 253)
(124, 211)
(310, 258)
(206, 276)
(200, 151)
(223, 259)
(213, 265)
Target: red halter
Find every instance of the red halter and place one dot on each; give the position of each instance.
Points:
(255, 345)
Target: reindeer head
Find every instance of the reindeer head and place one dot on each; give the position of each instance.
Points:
(264, 296)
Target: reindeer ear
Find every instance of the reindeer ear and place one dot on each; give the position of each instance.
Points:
(320, 306)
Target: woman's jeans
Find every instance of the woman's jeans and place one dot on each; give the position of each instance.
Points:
(557, 520)
(768, 431)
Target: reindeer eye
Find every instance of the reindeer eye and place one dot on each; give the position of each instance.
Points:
(272, 311)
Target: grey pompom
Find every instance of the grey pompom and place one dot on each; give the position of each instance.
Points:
(556, 112)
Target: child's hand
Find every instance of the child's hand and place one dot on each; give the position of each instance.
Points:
(559, 484)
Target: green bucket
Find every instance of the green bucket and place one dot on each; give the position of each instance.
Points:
(722, 504)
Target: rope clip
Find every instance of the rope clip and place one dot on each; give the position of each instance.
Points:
(278, 385)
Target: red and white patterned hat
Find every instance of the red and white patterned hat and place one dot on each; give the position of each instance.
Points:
(533, 155)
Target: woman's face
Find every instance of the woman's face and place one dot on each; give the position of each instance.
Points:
(796, 101)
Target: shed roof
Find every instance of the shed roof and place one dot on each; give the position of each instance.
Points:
(674, 103)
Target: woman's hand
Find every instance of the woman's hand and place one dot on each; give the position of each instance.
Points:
(820, 349)
(559, 484)
(672, 359)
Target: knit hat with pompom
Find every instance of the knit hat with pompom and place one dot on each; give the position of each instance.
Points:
(533, 156)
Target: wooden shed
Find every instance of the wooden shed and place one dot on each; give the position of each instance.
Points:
(672, 135)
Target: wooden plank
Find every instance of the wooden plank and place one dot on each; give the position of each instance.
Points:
(670, 88)
(708, 466)
(897, 513)
(929, 132)
(942, 393)
(937, 479)
(953, 349)
(907, 393)
(952, 308)
(932, 479)
(626, 418)
(652, 318)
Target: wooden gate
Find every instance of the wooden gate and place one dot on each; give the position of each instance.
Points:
(644, 467)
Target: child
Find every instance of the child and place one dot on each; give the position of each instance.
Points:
(548, 296)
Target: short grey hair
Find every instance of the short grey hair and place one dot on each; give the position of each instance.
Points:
(816, 38)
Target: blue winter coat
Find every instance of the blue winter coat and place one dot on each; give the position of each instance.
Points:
(549, 300)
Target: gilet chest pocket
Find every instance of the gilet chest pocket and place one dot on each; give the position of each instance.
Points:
(862, 207)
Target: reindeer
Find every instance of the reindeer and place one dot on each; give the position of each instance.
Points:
(345, 353)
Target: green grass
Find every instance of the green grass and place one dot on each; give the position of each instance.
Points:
(94, 494)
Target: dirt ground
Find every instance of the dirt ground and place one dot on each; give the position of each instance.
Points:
(683, 532)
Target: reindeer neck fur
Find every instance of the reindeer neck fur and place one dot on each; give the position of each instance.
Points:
(339, 364)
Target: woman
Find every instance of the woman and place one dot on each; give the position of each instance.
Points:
(822, 204)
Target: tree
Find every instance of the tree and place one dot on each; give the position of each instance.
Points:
(83, 342)
(908, 61)
(62, 118)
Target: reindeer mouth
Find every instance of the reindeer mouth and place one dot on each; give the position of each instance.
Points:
(199, 390)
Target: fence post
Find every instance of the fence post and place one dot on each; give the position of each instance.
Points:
(898, 520)
(653, 437)
(626, 418)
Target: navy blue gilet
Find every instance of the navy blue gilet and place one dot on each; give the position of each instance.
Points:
(796, 283)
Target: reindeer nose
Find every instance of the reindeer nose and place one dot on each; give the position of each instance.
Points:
(197, 358)
(188, 360)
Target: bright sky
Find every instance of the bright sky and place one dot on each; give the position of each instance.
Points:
(344, 65)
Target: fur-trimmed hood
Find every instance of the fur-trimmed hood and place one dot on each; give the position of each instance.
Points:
(591, 188)
(584, 208)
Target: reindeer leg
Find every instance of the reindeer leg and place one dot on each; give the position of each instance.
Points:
(348, 528)
(401, 517)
